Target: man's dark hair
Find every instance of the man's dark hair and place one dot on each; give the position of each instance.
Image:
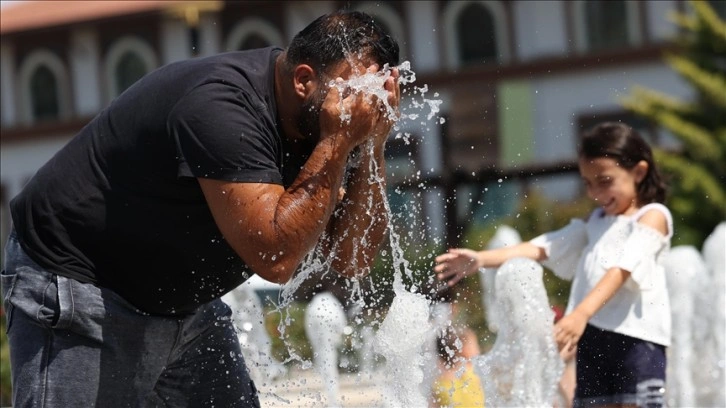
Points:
(332, 37)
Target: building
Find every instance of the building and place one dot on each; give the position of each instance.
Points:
(517, 80)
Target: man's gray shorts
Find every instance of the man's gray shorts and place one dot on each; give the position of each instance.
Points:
(79, 345)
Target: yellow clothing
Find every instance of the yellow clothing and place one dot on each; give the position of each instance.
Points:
(456, 391)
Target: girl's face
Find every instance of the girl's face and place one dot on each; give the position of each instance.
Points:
(613, 187)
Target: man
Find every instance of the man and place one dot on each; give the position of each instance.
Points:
(199, 175)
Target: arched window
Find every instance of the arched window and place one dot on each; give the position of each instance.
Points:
(476, 35)
(44, 94)
(253, 33)
(129, 69)
(127, 60)
(476, 32)
(606, 24)
(45, 88)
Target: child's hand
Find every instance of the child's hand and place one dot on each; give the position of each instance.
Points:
(569, 330)
(455, 265)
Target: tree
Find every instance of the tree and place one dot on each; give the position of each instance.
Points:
(697, 170)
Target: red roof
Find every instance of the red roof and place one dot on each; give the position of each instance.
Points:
(28, 15)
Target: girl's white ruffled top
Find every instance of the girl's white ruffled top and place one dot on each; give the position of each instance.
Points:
(586, 250)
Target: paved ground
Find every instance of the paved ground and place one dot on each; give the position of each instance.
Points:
(304, 388)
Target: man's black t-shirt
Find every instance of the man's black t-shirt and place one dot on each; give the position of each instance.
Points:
(120, 206)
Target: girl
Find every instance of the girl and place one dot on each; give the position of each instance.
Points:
(618, 312)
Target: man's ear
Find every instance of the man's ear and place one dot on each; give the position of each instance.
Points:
(641, 170)
(304, 80)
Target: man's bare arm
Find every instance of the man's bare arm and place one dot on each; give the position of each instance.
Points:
(359, 226)
(270, 228)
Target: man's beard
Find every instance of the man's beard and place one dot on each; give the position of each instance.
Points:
(308, 123)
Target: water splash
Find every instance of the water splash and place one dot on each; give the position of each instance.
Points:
(505, 236)
(684, 267)
(403, 333)
(400, 340)
(696, 286)
(404, 329)
(325, 322)
(256, 345)
(708, 325)
(523, 368)
(371, 86)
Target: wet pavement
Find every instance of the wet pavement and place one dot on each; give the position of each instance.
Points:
(304, 388)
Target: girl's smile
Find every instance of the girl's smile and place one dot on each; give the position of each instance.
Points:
(613, 187)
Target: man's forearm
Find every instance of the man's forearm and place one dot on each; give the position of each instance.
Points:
(273, 229)
(360, 224)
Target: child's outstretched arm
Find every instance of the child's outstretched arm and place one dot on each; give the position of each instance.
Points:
(458, 263)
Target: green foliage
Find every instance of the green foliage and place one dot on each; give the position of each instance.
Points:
(697, 171)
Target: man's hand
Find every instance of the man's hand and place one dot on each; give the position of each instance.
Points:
(360, 115)
(351, 115)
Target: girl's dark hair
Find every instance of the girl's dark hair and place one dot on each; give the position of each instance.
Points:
(332, 37)
(625, 145)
